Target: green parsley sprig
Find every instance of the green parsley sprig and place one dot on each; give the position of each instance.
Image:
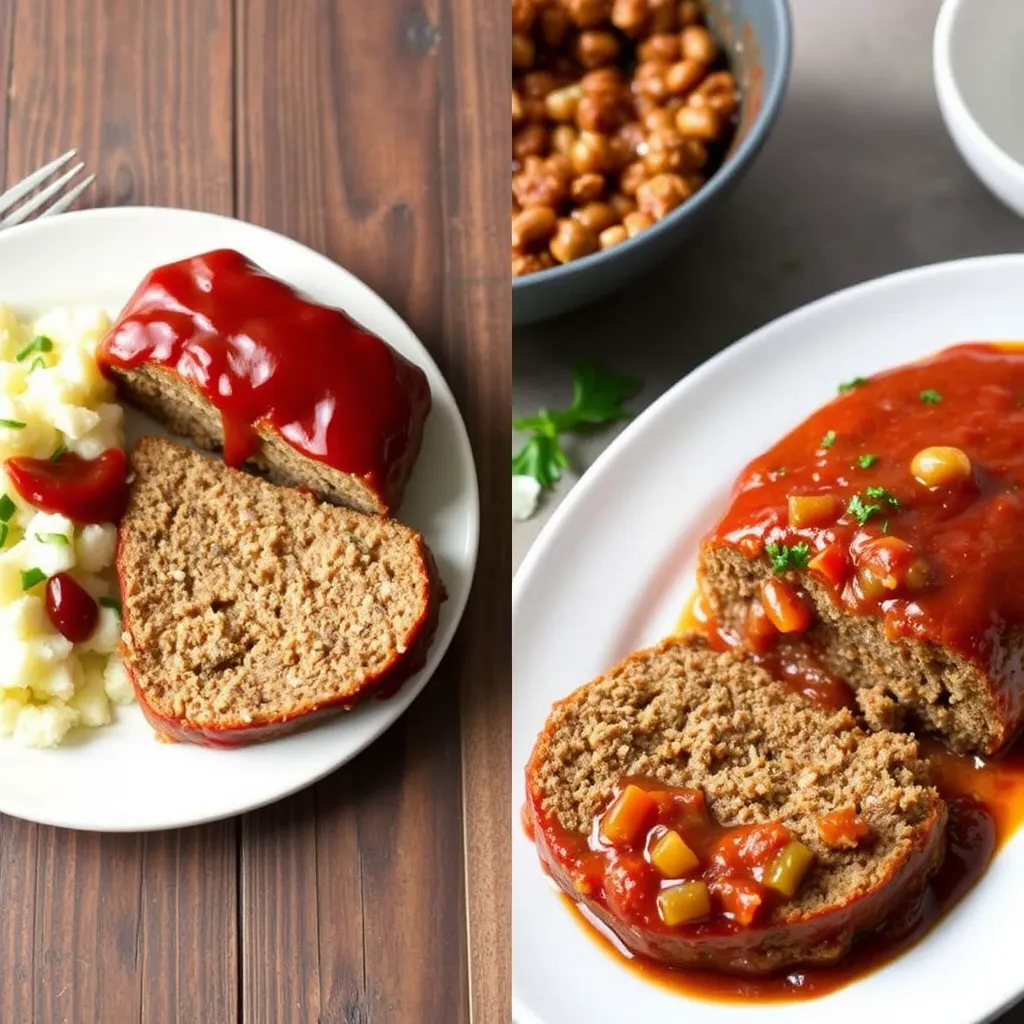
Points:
(597, 398)
(784, 557)
(874, 499)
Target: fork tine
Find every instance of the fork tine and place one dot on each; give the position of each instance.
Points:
(37, 201)
(63, 203)
(22, 189)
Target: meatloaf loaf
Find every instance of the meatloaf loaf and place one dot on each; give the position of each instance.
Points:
(887, 528)
(252, 610)
(234, 359)
(793, 831)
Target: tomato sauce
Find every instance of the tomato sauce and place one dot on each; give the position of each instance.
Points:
(263, 355)
(84, 490)
(904, 497)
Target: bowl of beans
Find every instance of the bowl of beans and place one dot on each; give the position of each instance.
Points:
(631, 121)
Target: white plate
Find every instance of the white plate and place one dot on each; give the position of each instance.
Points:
(611, 572)
(119, 778)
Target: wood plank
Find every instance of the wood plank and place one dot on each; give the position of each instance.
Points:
(6, 41)
(477, 356)
(339, 147)
(115, 927)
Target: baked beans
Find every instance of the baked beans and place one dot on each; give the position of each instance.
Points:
(621, 109)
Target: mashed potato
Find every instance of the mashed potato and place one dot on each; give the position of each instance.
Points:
(53, 397)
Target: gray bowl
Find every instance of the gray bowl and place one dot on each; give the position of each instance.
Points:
(758, 34)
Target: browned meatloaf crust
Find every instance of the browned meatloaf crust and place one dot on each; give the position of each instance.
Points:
(175, 403)
(899, 682)
(251, 610)
(689, 717)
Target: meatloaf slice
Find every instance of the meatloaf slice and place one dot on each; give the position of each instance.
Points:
(252, 610)
(680, 715)
(899, 682)
(171, 400)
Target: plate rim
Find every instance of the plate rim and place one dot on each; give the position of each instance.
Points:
(552, 531)
(462, 448)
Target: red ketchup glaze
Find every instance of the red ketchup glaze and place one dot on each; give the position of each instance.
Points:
(969, 397)
(265, 356)
(71, 608)
(84, 490)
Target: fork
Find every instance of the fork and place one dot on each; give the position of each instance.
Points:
(11, 213)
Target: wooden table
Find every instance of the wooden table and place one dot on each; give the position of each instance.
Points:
(364, 130)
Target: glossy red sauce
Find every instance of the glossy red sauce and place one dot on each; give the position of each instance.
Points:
(973, 835)
(986, 807)
(84, 490)
(969, 397)
(71, 608)
(621, 868)
(264, 355)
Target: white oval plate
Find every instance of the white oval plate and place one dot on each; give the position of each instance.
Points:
(119, 778)
(611, 572)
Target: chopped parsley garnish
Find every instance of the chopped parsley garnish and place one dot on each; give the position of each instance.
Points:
(828, 440)
(40, 343)
(53, 538)
(862, 510)
(58, 452)
(931, 397)
(881, 494)
(867, 460)
(849, 385)
(31, 578)
(7, 508)
(12, 424)
(111, 602)
(597, 397)
(787, 556)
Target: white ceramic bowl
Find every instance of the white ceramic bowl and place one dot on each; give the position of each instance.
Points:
(978, 63)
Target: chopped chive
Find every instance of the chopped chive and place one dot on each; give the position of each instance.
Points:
(867, 460)
(4, 530)
(13, 424)
(930, 396)
(31, 578)
(849, 385)
(40, 343)
(828, 440)
(37, 364)
(7, 508)
(111, 602)
(53, 538)
(58, 452)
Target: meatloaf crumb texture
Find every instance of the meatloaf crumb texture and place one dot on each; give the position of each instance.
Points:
(693, 718)
(180, 407)
(899, 682)
(248, 605)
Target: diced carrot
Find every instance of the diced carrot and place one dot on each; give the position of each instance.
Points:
(631, 814)
(787, 610)
(759, 632)
(741, 898)
(831, 564)
(843, 829)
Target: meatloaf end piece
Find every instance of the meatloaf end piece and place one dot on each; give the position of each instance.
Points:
(171, 400)
(252, 610)
(688, 717)
(899, 682)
